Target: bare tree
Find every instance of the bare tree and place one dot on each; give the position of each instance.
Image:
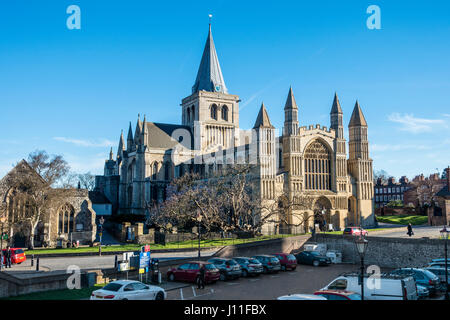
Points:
(51, 168)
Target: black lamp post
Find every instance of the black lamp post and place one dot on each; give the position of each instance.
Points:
(101, 221)
(361, 246)
(444, 235)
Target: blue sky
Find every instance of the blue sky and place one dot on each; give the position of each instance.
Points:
(71, 92)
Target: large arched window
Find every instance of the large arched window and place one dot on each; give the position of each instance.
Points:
(225, 113)
(66, 218)
(214, 112)
(317, 166)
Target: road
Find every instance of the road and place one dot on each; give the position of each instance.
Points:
(400, 232)
(96, 262)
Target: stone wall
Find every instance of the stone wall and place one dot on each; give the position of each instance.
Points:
(385, 252)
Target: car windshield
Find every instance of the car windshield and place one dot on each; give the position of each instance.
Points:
(18, 251)
(231, 262)
(210, 267)
(112, 287)
(315, 253)
(273, 259)
(347, 230)
(429, 274)
(291, 257)
(254, 261)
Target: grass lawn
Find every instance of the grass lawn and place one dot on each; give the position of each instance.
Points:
(404, 219)
(171, 245)
(66, 294)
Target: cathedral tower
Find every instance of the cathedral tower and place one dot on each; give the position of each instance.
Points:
(210, 111)
(336, 117)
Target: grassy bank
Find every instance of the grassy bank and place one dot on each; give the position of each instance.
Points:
(404, 219)
(66, 294)
(154, 247)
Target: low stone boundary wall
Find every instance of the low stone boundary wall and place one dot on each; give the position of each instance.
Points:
(384, 251)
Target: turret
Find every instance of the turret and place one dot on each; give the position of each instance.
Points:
(290, 115)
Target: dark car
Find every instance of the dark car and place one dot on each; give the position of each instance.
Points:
(249, 266)
(190, 272)
(287, 261)
(423, 277)
(228, 268)
(313, 258)
(270, 263)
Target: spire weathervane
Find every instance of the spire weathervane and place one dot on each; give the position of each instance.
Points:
(210, 18)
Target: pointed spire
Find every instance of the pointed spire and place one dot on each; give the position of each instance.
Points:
(209, 75)
(336, 108)
(121, 145)
(130, 133)
(290, 101)
(262, 121)
(111, 154)
(144, 125)
(357, 118)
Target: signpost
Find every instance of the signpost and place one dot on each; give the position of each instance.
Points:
(144, 261)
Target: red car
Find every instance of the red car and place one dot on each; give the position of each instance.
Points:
(17, 256)
(338, 295)
(287, 261)
(355, 231)
(190, 271)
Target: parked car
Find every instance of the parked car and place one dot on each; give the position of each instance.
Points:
(17, 256)
(313, 258)
(228, 268)
(269, 262)
(422, 292)
(249, 266)
(355, 231)
(301, 297)
(440, 273)
(189, 272)
(129, 290)
(438, 264)
(423, 277)
(287, 261)
(338, 294)
(390, 286)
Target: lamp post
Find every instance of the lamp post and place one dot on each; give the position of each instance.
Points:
(101, 221)
(199, 219)
(361, 246)
(2, 221)
(444, 235)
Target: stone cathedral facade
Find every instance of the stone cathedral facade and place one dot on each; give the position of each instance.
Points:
(304, 162)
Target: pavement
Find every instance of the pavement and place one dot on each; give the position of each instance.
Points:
(399, 231)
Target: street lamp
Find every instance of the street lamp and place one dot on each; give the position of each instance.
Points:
(444, 235)
(199, 219)
(2, 221)
(101, 221)
(361, 246)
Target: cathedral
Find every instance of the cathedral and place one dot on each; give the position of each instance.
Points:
(304, 162)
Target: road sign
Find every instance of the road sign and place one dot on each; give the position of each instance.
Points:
(145, 248)
(141, 270)
(144, 260)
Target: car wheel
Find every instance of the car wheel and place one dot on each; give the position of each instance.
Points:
(266, 271)
(245, 273)
(283, 268)
(293, 269)
(159, 296)
(171, 277)
(316, 263)
(223, 277)
(124, 299)
(19, 262)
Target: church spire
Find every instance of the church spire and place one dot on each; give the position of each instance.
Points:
(357, 118)
(130, 143)
(121, 145)
(111, 154)
(263, 121)
(209, 75)
(336, 108)
(290, 101)
(290, 115)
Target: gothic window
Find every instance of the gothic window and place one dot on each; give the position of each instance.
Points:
(193, 113)
(188, 115)
(225, 112)
(155, 170)
(66, 218)
(166, 171)
(317, 166)
(214, 112)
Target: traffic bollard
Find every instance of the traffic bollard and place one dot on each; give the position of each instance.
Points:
(115, 262)
(37, 264)
(32, 260)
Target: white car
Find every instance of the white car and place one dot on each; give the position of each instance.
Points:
(129, 290)
(301, 297)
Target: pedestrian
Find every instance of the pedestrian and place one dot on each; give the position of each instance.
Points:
(410, 230)
(8, 255)
(201, 277)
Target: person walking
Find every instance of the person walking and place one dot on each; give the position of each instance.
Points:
(8, 254)
(410, 230)
(201, 277)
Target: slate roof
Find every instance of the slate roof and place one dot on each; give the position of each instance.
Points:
(209, 75)
(357, 118)
(160, 135)
(445, 192)
(263, 121)
(290, 101)
(97, 197)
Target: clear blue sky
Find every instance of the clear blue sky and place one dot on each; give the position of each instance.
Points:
(71, 92)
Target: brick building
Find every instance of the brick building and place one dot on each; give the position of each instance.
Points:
(392, 190)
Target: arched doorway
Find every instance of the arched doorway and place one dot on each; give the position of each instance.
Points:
(322, 213)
